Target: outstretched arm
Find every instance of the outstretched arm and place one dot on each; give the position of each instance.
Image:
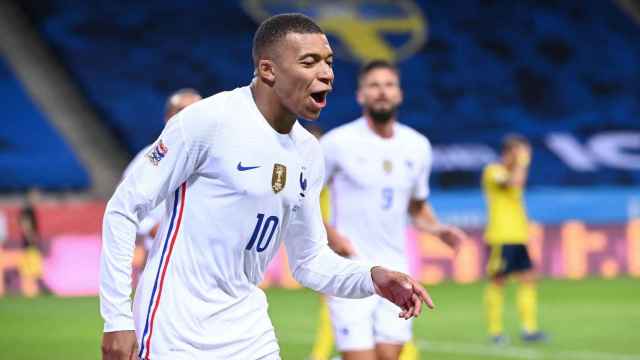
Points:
(316, 266)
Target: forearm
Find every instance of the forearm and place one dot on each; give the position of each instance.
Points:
(424, 218)
(331, 274)
(118, 242)
(332, 236)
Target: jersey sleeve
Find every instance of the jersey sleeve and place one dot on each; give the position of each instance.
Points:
(420, 190)
(171, 160)
(312, 262)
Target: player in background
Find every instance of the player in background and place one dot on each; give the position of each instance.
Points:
(240, 176)
(378, 172)
(323, 343)
(177, 101)
(507, 234)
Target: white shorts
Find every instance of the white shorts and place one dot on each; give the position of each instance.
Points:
(358, 324)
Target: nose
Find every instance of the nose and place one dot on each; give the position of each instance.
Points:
(326, 74)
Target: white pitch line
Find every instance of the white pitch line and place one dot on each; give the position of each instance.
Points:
(496, 352)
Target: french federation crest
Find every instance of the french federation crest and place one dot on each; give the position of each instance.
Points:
(279, 177)
(157, 153)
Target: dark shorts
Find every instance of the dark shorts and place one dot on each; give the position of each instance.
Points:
(507, 259)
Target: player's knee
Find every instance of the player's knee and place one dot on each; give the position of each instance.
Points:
(389, 355)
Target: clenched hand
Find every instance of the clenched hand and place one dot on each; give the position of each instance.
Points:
(119, 345)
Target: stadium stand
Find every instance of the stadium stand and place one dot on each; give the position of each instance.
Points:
(561, 73)
(32, 153)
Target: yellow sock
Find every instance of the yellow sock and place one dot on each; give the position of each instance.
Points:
(323, 344)
(528, 307)
(409, 351)
(493, 300)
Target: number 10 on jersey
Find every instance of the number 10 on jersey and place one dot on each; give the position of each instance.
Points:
(270, 225)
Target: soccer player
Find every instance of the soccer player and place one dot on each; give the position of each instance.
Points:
(378, 172)
(177, 101)
(240, 176)
(507, 234)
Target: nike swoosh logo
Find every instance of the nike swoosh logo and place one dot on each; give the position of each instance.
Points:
(245, 168)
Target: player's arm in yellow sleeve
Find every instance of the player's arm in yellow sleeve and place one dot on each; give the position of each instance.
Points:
(516, 176)
(425, 220)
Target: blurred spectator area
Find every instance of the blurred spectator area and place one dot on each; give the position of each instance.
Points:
(563, 73)
(55, 218)
(32, 152)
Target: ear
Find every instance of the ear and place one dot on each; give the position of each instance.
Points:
(266, 71)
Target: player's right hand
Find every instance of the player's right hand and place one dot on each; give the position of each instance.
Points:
(119, 345)
(401, 290)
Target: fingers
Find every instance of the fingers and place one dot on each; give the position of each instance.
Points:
(417, 305)
(119, 345)
(412, 309)
(118, 355)
(422, 294)
(134, 351)
(407, 313)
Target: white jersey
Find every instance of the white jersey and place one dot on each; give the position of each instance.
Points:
(372, 180)
(234, 189)
(154, 217)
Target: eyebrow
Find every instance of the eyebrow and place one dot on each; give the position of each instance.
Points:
(314, 55)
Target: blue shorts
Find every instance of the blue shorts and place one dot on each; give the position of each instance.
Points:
(508, 258)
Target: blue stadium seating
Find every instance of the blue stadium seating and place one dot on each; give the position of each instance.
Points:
(564, 73)
(32, 153)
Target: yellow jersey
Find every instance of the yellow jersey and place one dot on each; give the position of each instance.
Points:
(507, 219)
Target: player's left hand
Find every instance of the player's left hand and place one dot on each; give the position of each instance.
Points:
(401, 290)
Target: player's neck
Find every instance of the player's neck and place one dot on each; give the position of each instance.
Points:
(384, 130)
(278, 117)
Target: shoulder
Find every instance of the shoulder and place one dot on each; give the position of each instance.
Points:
(136, 159)
(348, 129)
(342, 134)
(202, 119)
(306, 142)
(310, 150)
(415, 142)
(413, 137)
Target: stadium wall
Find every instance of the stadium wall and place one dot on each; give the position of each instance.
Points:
(571, 249)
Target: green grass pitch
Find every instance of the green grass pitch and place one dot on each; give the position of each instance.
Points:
(586, 320)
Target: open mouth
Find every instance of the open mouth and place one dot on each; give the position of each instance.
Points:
(320, 97)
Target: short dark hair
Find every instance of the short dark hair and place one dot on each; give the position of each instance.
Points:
(512, 140)
(277, 27)
(376, 64)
